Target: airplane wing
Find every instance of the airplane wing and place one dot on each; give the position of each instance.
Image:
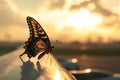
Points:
(47, 68)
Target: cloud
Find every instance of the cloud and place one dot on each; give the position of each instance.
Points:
(7, 16)
(98, 8)
(11, 24)
(110, 19)
(27, 5)
(56, 4)
(53, 15)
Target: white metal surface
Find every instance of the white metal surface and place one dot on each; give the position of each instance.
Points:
(47, 68)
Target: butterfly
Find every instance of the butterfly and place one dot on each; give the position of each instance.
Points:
(38, 42)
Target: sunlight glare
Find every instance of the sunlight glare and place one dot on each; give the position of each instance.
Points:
(84, 20)
(57, 75)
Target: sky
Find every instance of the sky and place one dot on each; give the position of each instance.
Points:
(64, 20)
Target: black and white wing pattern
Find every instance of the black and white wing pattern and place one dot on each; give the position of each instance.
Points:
(38, 42)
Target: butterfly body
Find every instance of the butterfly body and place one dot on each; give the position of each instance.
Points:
(38, 42)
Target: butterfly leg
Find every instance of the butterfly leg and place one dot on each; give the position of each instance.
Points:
(20, 56)
(41, 55)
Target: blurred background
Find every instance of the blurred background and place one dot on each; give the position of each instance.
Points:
(88, 30)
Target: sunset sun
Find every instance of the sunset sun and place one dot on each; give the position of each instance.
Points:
(81, 20)
(84, 20)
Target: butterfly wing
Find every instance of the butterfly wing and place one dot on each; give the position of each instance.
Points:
(38, 42)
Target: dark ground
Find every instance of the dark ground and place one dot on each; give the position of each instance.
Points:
(107, 63)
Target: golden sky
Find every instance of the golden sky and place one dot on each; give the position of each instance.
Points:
(64, 20)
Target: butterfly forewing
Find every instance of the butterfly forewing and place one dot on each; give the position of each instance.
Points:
(38, 42)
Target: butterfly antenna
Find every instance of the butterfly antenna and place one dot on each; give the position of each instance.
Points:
(58, 42)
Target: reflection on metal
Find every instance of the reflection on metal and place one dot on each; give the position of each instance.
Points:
(57, 76)
(47, 68)
(81, 71)
(38, 42)
(52, 70)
